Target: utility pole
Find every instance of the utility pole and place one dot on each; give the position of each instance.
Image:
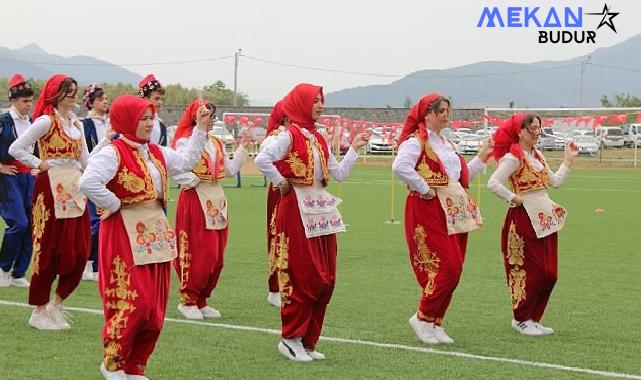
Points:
(584, 65)
(236, 55)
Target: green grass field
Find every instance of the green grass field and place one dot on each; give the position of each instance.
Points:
(594, 309)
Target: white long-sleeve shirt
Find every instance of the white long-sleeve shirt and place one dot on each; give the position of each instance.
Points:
(22, 148)
(155, 131)
(232, 166)
(103, 167)
(278, 148)
(509, 163)
(21, 122)
(101, 123)
(410, 150)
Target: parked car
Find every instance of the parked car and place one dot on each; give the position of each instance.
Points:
(546, 142)
(469, 144)
(632, 134)
(451, 135)
(609, 136)
(587, 145)
(219, 130)
(379, 144)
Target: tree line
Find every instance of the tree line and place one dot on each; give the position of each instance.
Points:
(175, 94)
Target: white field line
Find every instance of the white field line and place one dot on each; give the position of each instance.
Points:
(432, 351)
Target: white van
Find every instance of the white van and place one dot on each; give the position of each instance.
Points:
(609, 136)
(632, 135)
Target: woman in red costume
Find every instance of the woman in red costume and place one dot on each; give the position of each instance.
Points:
(439, 212)
(201, 216)
(298, 162)
(529, 235)
(127, 181)
(60, 220)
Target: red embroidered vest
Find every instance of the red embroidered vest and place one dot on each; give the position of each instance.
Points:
(133, 182)
(430, 167)
(204, 167)
(298, 164)
(526, 178)
(56, 143)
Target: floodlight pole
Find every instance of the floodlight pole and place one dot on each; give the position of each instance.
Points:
(236, 55)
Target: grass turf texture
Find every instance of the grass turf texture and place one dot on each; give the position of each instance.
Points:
(594, 308)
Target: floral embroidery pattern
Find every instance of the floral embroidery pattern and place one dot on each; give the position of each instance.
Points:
(425, 259)
(40, 216)
(515, 257)
(119, 296)
(284, 282)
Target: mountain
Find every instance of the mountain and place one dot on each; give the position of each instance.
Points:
(539, 84)
(33, 62)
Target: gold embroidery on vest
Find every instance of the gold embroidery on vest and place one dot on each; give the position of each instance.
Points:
(432, 178)
(425, 259)
(120, 297)
(515, 258)
(149, 190)
(526, 178)
(298, 167)
(130, 181)
(40, 216)
(56, 144)
(284, 283)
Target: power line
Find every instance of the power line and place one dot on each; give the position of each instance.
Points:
(616, 67)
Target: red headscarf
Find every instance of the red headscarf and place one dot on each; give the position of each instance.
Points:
(45, 102)
(297, 105)
(416, 118)
(506, 138)
(186, 123)
(125, 113)
(275, 117)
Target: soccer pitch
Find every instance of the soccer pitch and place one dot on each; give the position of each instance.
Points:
(594, 308)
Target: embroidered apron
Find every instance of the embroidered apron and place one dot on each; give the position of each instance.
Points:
(68, 201)
(151, 238)
(546, 216)
(318, 211)
(213, 203)
(461, 212)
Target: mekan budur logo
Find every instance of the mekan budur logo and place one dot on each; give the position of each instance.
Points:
(556, 24)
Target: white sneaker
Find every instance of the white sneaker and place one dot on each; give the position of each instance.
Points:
(544, 330)
(210, 312)
(424, 331)
(59, 316)
(441, 336)
(20, 282)
(273, 298)
(136, 377)
(190, 312)
(293, 349)
(526, 328)
(315, 354)
(5, 279)
(88, 272)
(112, 375)
(41, 320)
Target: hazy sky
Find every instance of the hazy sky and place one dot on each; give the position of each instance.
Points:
(392, 37)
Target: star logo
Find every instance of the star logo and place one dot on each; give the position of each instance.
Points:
(607, 17)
